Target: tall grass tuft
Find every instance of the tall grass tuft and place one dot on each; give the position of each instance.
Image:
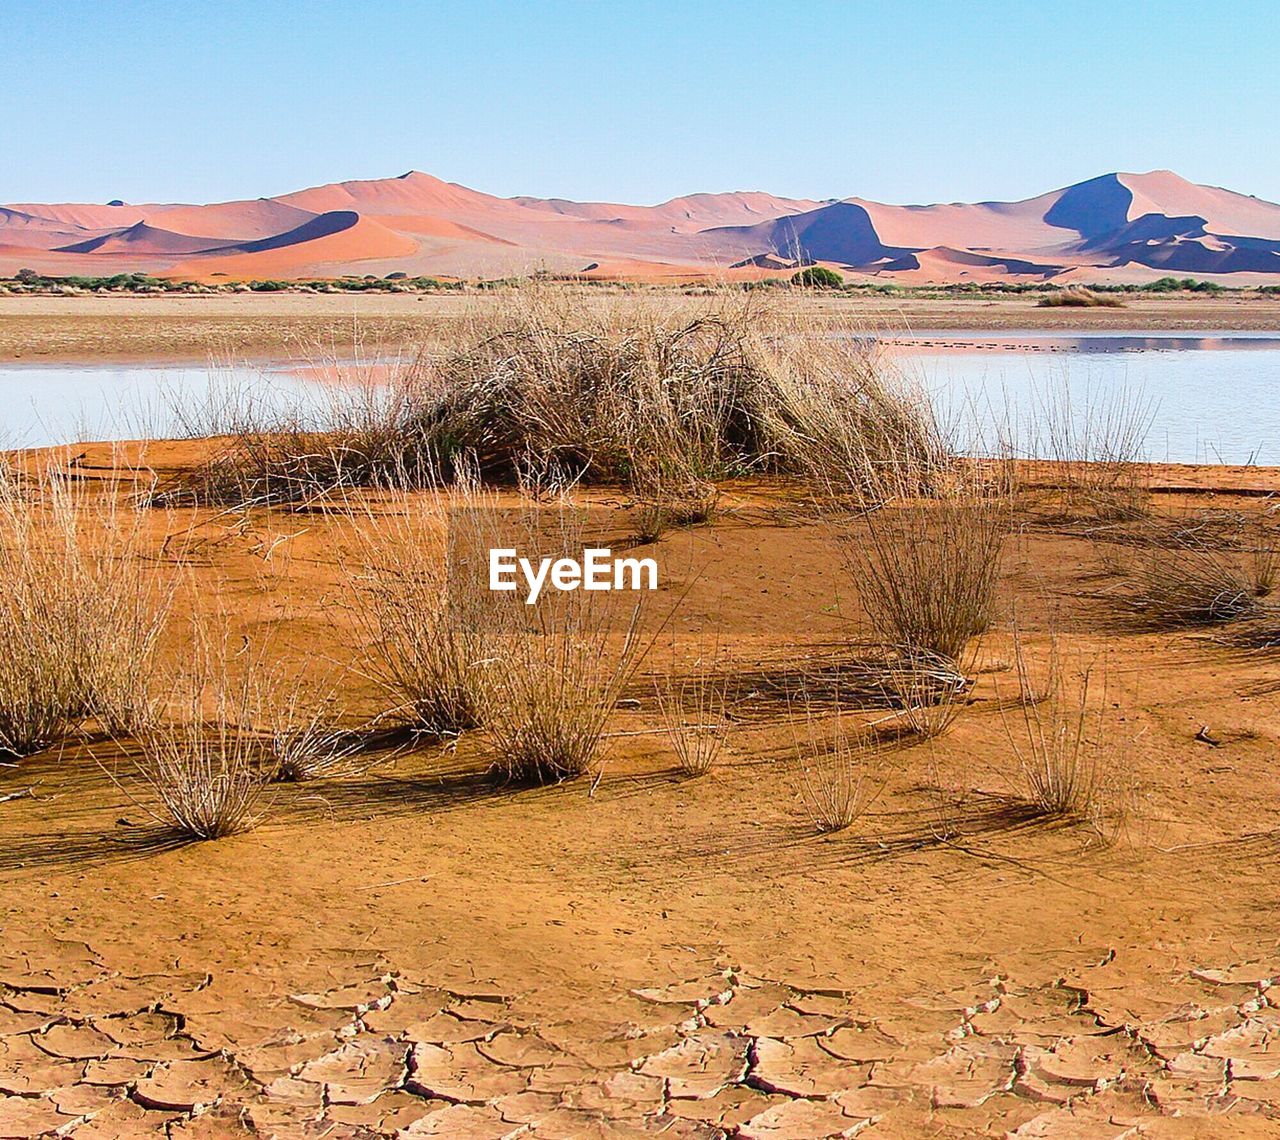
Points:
(1208, 570)
(695, 723)
(550, 690)
(421, 605)
(81, 610)
(555, 669)
(1096, 440)
(202, 756)
(926, 569)
(1063, 757)
(833, 777)
(304, 743)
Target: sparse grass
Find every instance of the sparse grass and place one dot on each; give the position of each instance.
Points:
(926, 569)
(80, 610)
(930, 692)
(550, 690)
(202, 759)
(420, 604)
(661, 507)
(1036, 686)
(355, 432)
(834, 781)
(1064, 762)
(694, 720)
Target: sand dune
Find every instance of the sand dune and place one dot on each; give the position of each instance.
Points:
(338, 236)
(142, 238)
(1114, 227)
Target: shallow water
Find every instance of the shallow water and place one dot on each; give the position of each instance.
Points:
(1205, 399)
(51, 404)
(1208, 398)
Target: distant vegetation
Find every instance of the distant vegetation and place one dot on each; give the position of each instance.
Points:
(27, 281)
(1080, 299)
(818, 277)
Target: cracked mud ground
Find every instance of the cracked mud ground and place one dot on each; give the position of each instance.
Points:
(416, 952)
(375, 1051)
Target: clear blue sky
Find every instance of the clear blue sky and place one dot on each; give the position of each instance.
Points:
(629, 101)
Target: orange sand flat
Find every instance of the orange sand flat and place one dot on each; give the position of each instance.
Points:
(417, 948)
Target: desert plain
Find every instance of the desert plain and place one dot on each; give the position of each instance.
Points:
(413, 946)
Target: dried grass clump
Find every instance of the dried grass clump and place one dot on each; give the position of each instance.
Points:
(661, 506)
(615, 392)
(358, 431)
(554, 670)
(1065, 763)
(926, 569)
(1078, 297)
(833, 775)
(80, 609)
(552, 684)
(695, 723)
(1197, 576)
(837, 413)
(930, 692)
(1096, 440)
(421, 606)
(202, 758)
(304, 743)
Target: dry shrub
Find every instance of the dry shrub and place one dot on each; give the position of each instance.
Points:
(1096, 440)
(356, 431)
(606, 392)
(694, 719)
(550, 690)
(926, 569)
(202, 757)
(1078, 297)
(80, 613)
(555, 669)
(1065, 763)
(930, 691)
(421, 605)
(1195, 572)
(837, 413)
(833, 775)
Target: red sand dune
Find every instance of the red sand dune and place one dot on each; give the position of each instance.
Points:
(1114, 227)
(340, 236)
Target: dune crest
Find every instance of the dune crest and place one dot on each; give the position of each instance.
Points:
(1115, 227)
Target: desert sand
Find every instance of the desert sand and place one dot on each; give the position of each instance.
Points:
(1114, 228)
(419, 949)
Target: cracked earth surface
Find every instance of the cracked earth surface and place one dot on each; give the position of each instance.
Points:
(87, 1051)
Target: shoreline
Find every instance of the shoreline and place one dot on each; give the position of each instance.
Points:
(193, 330)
